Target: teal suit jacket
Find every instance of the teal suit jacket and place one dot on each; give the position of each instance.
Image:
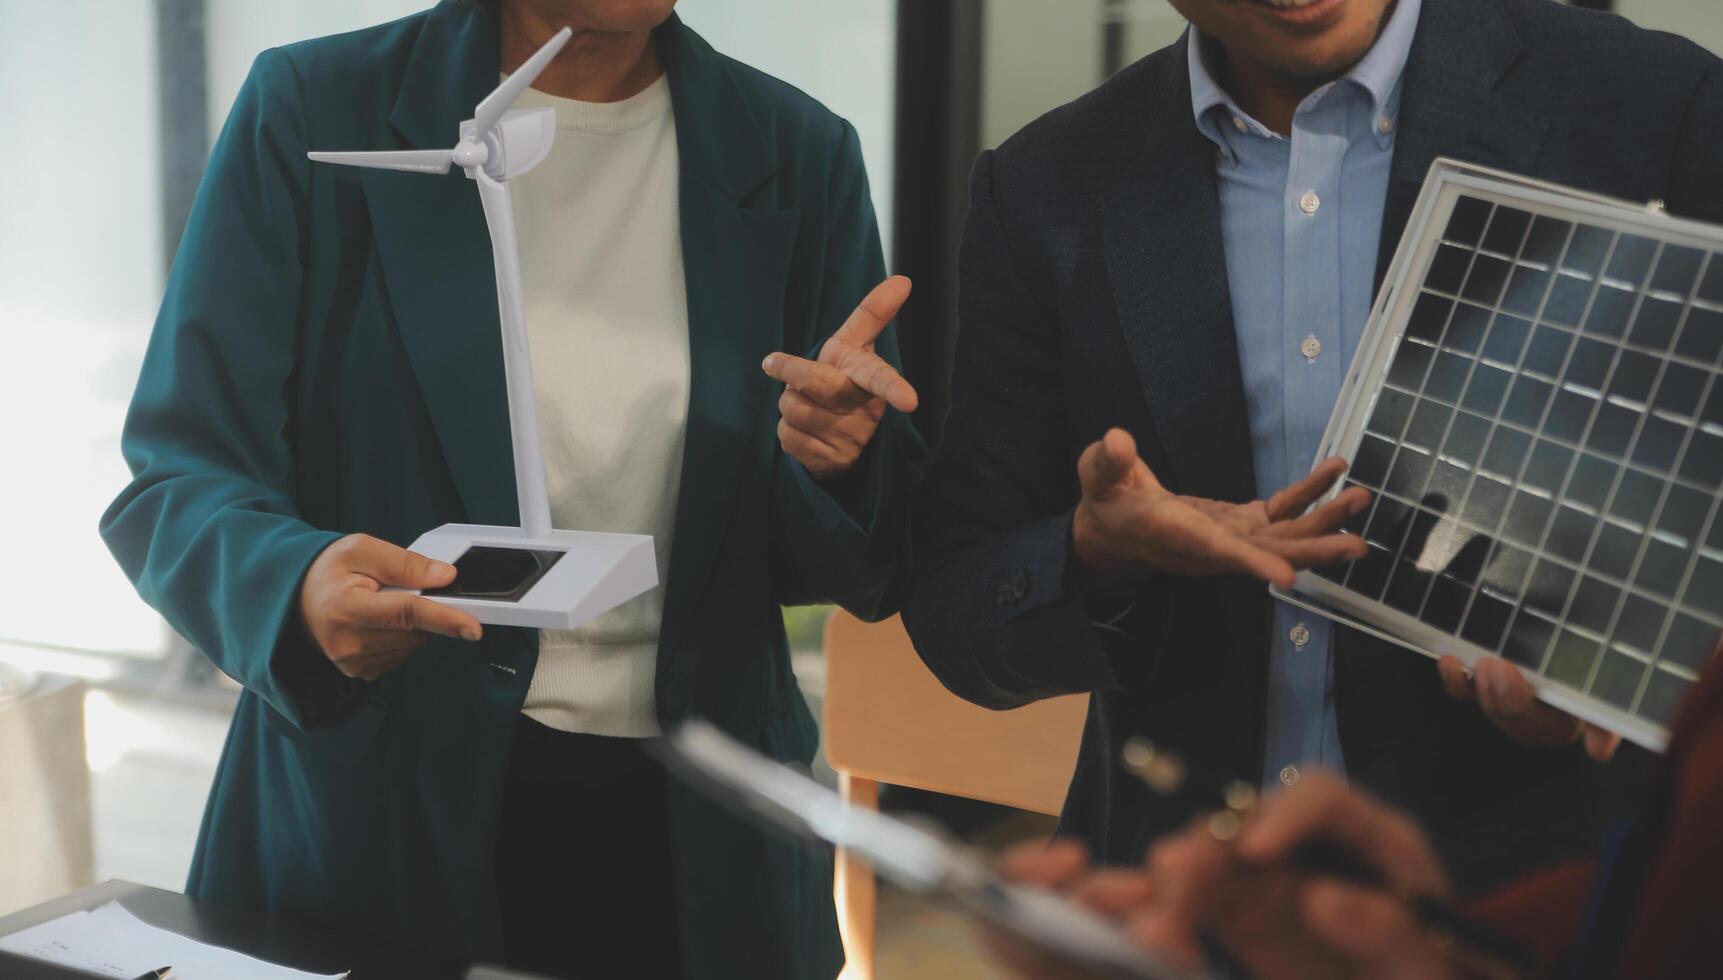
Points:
(327, 360)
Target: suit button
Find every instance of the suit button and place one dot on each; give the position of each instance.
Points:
(1289, 776)
(1014, 588)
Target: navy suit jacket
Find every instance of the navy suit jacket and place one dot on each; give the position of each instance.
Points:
(1094, 293)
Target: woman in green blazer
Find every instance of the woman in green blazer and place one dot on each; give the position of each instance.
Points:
(325, 383)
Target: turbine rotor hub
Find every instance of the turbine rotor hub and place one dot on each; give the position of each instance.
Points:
(469, 154)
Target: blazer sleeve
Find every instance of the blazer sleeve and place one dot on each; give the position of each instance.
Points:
(207, 529)
(846, 540)
(994, 607)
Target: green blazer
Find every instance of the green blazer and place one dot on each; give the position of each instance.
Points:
(327, 360)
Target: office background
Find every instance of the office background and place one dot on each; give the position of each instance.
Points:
(117, 103)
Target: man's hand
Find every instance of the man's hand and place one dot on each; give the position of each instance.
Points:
(364, 631)
(1508, 700)
(1368, 932)
(831, 406)
(1128, 524)
(1281, 922)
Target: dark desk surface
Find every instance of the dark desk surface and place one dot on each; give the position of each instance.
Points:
(276, 940)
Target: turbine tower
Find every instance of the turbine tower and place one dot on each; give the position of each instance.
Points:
(532, 575)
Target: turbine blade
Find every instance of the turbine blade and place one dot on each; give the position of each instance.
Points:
(419, 161)
(490, 111)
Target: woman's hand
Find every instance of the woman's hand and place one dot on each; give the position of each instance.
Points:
(364, 631)
(831, 406)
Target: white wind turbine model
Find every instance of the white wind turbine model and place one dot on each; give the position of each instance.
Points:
(532, 575)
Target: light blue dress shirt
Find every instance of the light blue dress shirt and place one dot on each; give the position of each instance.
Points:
(1301, 217)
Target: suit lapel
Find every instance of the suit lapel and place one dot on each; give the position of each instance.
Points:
(1167, 267)
(435, 250)
(736, 261)
(1449, 106)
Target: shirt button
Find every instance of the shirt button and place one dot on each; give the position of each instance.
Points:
(1384, 125)
(1299, 636)
(1309, 202)
(1239, 124)
(1289, 776)
(1310, 348)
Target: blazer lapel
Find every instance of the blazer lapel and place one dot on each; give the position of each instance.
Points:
(1167, 267)
(736, 261)
(1449, 106)
(436, 257)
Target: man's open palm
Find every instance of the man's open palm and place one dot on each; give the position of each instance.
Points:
(1129, 524)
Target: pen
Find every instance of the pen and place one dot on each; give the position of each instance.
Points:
(1467, 943)
(160, 973)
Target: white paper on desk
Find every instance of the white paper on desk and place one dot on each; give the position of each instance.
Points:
(110, 941)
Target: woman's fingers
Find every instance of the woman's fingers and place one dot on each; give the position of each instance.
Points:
(406, 612)
(875, 375)
(873, 314)
(821, 382)
(853, 429)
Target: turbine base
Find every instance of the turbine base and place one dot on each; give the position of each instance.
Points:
(556, 581)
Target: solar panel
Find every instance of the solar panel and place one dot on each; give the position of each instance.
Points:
(1536, 411)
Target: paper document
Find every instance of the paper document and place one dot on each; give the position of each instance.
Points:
(110, 941)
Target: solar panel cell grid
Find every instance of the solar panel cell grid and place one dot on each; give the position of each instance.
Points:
(1701, 335)
(1546, 241)
(1655, 324)
(1545, 450)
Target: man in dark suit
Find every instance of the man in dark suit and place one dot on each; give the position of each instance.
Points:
(1188, 254)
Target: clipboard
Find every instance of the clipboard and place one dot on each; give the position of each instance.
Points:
(915, 857)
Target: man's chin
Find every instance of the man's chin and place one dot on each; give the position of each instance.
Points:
(1316, 59)
(1315, 51)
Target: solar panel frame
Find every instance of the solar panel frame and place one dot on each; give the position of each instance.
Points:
(1587, 500)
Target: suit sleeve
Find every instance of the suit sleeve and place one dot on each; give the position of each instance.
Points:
(207, 529)
(847, 540)
(994, 607)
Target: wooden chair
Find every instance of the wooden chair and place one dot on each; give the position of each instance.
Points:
(889, 720)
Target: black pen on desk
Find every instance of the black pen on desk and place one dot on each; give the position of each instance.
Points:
(160, 973)
(1472, 946)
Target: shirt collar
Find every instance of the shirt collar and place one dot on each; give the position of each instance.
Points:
(1378, 73)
